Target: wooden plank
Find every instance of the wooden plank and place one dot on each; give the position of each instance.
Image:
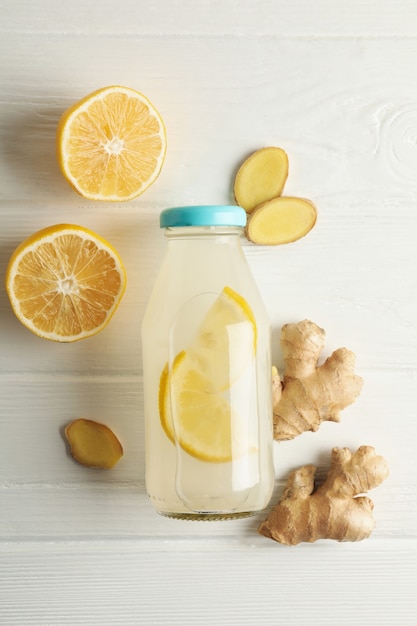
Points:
(34, 413)
(369, 584)
(213, 17)
(108, 512)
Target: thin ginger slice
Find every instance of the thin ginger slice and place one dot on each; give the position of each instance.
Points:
(281, 220)
(261, 177)
(93, 444)
(337, 509)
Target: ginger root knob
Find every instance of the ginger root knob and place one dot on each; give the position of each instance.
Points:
(335, 510)
(310, 394)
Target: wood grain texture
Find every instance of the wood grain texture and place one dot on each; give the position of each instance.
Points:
(111, 584)
(334, 85)
(213, 17)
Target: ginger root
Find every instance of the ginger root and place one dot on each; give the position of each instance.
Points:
(335, 510)
(261, 176)
(310, 394)
(281, 220)
(93, 444)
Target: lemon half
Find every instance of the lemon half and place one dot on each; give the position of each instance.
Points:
(65, 282)
(111, 144)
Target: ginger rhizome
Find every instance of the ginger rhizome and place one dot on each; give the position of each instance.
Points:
(310, 393)
(335, 510)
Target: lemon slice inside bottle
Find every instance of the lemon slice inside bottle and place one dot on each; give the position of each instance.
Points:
(195, 395)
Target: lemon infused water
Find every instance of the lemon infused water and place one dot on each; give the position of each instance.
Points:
(207, 372)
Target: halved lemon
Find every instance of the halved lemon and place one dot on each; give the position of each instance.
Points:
(194, 399)
(111, 144)
(65, 282)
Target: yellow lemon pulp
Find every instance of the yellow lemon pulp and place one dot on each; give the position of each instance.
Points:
(111, 144)
(194, 399)
(65, 282)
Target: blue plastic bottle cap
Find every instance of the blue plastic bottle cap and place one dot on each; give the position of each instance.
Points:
(204, 215)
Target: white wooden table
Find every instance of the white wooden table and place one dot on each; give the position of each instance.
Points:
(334, 83)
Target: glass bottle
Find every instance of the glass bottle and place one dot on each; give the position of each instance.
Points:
(207, 372)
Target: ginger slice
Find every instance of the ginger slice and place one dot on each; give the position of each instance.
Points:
(93, 444)
(261, 177)
(310, 394)
(281, 220)
(336, 509)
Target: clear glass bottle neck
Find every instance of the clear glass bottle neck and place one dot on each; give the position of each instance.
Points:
(185, 232)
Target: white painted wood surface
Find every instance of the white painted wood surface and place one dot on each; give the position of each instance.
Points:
(334, 84)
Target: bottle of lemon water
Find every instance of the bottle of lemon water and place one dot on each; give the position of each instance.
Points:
(207, 372)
